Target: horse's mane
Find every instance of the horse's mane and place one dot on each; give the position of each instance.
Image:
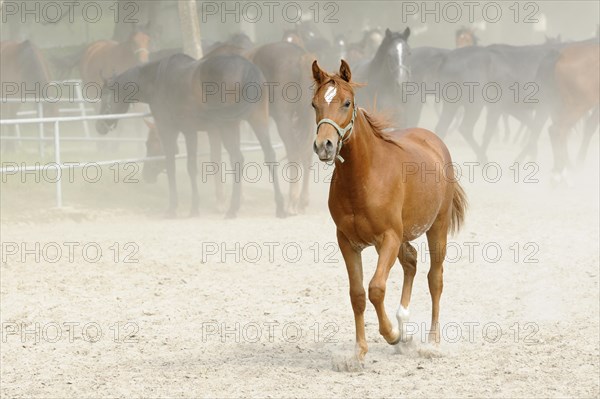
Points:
(378, 122)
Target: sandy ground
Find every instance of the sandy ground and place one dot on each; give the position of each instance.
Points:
(189, 319)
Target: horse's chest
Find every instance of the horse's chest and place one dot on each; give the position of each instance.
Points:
(360, 222)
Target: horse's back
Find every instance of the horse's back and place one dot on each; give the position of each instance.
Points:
(421, 143)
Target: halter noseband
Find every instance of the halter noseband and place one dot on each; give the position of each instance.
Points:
(340, 131)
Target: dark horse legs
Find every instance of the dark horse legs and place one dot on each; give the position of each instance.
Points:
(169, 141)
(230, 135)
(191, 144)
(261, 130)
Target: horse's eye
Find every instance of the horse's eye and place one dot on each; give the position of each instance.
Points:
(347, 103)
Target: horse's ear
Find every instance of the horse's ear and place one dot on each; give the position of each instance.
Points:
(388, 32)
(318, 74)
(406, 33)
(345, 72)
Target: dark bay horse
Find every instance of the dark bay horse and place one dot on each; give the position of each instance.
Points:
(386, 74)
(289, 65)
(380, 197)
(105, 58)
(180, 93)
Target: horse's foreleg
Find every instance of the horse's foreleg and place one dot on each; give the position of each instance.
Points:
(230, 134)
(408, 259)
(388, 251)
(449, 112)
(558, 136)
(304, 196)
(191, 144)
(436, 240)
(591, 124)
(170, 165)
(491, 126)
(466, 129)
(214, 140)
(358, 298)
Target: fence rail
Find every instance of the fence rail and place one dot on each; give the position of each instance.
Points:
(57, 139)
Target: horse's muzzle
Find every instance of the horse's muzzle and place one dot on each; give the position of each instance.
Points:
(325, 150)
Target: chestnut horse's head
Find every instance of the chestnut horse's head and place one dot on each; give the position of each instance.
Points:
(335, 110)
(140, 42)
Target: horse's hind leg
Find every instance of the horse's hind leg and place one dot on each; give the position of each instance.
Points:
(230, 134)
(214, 141)
(168, 138)
(260, 125)
(191, 144)
(437, 237)
(591, 124)
(408, 260)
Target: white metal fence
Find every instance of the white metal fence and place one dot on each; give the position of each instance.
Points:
(40, 121)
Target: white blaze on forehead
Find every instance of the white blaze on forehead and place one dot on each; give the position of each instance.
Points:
(330, 94)
(400, 50)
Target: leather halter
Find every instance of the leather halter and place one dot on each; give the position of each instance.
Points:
(340, 131)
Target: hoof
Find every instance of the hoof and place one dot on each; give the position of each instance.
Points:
(170, 214)
(350, 365)
(280, 213)
(396, 334)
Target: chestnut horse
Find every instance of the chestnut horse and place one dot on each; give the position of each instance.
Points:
(576, 73)
(105, 58)
(388, 188)
(24, 75)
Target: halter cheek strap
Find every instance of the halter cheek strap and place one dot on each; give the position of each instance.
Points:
(340, 131)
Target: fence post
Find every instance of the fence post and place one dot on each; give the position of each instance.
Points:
(40, 110)
(57, 160)
(82, 105)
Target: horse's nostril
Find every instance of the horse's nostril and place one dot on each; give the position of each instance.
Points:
(328, 144)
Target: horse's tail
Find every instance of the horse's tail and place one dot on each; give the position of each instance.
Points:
(459, 208)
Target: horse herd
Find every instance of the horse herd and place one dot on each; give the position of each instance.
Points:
(396, 77)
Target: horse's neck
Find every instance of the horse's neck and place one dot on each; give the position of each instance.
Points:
(133, 79)
(359, 151)
(124, 50)
(377, 62)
